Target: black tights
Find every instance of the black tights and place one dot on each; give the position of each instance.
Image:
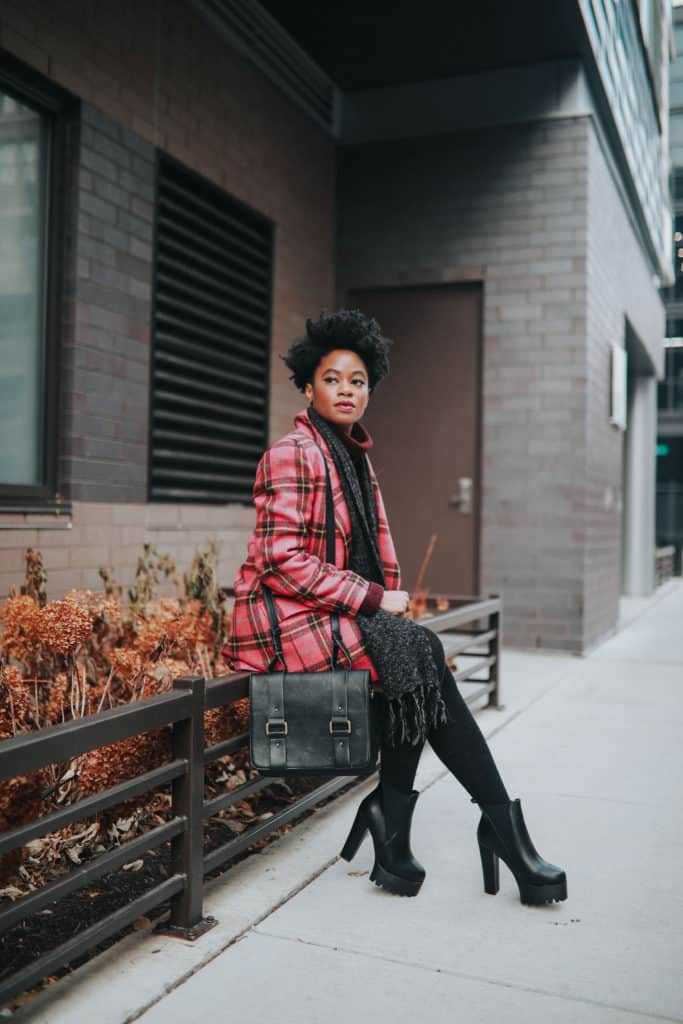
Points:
(459, 743)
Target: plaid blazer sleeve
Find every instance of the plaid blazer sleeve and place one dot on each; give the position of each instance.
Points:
(287, 528)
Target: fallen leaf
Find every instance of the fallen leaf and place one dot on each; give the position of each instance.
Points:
(134, 865)
(234, 826)
(69, 774)
(11, 892)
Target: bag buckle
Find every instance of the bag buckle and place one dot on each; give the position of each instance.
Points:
(276, 727)
(334, 722)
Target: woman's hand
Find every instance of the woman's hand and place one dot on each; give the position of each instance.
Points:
(395, 601)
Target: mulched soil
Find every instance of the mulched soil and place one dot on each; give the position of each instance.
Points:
(37, 935)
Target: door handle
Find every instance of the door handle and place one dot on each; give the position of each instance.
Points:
(462, 498)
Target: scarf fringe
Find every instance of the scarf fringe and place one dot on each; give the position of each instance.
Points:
(412, 715)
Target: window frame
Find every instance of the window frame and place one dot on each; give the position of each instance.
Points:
(56, 105)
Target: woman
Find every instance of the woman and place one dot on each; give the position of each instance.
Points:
(337, 365)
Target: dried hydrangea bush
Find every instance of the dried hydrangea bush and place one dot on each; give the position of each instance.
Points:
(63, 659)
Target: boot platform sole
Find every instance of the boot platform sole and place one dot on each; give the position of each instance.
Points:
(394, 883)
(535, 895)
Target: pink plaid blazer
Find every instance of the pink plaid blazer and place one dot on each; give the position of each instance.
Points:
(288, 551)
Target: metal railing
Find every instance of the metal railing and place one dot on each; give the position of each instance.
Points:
(183, 709)
(664, 563)
(476, 622)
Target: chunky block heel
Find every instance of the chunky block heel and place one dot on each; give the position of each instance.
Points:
(490, 870)
(355, 837)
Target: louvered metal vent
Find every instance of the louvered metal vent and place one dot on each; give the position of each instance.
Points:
(211, 342)
(251, 30)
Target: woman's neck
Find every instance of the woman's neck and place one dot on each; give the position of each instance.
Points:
(356, 439)
(343, 429)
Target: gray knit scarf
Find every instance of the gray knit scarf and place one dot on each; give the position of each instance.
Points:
(398, 647)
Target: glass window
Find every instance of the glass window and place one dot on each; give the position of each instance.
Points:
(674, 373)
(23, 198)
(663, 395)
(670, 390)
(674, 328)
(670, 460)
(670, 493)
(675, 291)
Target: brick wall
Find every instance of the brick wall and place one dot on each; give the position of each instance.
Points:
(106, 341)
(620, 287)
(512, 206)
(154, 75)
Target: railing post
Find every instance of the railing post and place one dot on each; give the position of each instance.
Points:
(187, 849)
(496, 622)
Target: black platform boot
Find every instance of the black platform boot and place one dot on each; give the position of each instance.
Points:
(502, 832)
(387, 813)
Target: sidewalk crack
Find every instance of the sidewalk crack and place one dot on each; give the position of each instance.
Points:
(470, 976)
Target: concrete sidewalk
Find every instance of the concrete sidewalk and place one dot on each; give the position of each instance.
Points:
(593, 746)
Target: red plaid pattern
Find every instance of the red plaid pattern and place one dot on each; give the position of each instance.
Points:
(287, 550)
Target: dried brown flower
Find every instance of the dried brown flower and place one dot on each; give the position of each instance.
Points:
(64, 625)
(20, 618)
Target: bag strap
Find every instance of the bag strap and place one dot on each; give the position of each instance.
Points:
(337, 642)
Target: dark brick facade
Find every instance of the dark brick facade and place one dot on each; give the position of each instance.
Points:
(511, 206)
(106, 349)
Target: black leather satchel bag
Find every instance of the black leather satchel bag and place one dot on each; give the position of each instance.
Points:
(312, 723)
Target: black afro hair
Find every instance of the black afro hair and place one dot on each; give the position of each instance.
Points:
(347, 328)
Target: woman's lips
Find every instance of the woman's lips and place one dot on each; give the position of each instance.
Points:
(343, 405)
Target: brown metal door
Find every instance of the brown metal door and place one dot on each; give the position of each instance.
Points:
(424, 420)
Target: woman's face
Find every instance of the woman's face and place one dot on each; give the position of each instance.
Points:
(340, 388)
